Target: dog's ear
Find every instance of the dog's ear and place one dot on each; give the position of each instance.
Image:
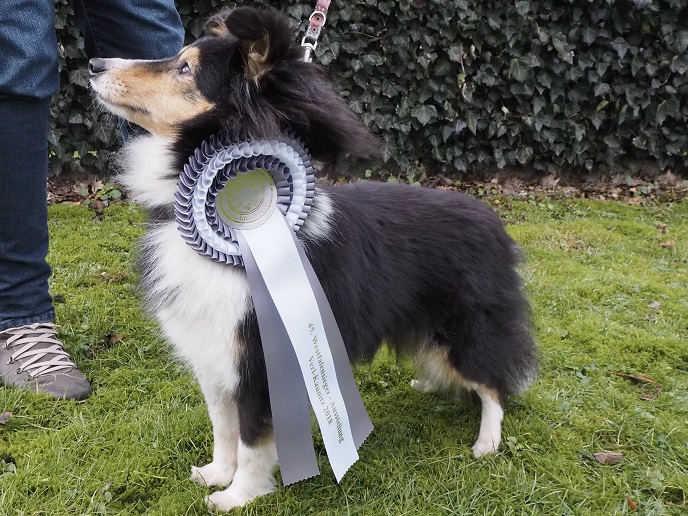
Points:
(265, 36)
(216, 26)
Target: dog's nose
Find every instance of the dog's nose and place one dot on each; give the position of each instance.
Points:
(95, 66)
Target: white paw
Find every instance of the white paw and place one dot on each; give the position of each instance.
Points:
(484, 447)
(231, 498)
(212, 475)
(422, 386)
(224, 502)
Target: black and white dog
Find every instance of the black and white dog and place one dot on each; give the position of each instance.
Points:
(429, 272)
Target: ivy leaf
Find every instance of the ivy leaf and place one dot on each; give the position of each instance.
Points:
(356, 106)
(662, 112)
(681, 42)
(424, 113)
(456, 53)
(499, 158)
(602, 89)
(559, 42)
(54, 136)
(388, 150)
(79, 77)
(467, 91)
(589, 35)
(519, 69)
(447, 131)
(612, 141)
(472, 122)
(621, 46)
(102, 133)
(524, 155)
(454, 128)
(522, 7)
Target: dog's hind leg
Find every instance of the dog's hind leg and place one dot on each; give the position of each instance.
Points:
(491, 418)
(225, 419)
(437, 373)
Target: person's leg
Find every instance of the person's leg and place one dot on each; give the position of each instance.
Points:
(128, 29)
(33, 360)
(147, 29)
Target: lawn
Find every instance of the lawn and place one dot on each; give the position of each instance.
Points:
(608, 284)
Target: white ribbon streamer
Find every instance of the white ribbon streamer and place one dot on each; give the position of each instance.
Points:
(274, 251)
(241, 204)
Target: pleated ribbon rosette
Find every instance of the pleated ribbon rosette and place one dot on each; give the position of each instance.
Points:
(240, 204)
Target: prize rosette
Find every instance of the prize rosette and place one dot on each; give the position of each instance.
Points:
(268, 174)
(241, 204)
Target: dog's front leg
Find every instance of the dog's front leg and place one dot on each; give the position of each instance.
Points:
(256, 454)
(224, 416)
(254, 476)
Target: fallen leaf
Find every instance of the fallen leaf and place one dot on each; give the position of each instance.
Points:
(97, 185)
(608, 457)
(633, 505)
(114, 338)
(105, 488)
(655, 305)
(549, 181)
(5, 417)
(669, 244)
(110, 340)
(98, 205)
(640, 378)
(661, 227)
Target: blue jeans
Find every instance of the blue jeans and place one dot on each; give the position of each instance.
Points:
(146, 29)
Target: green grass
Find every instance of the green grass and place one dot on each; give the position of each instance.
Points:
(595, 273)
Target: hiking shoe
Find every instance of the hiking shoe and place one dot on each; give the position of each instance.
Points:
(33, 359)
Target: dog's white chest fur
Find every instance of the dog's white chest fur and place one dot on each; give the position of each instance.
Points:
(194, 299)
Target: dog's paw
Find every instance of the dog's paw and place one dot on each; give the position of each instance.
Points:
(223, 502)
(231, 498)
(212, 475)
(484, 447)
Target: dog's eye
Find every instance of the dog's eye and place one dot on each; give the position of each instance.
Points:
(184, 68)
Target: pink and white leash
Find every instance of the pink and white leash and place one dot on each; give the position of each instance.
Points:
(317, 20)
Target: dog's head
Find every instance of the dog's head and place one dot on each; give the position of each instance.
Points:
(245, 76)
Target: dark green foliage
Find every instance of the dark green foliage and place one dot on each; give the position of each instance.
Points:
(579, 84)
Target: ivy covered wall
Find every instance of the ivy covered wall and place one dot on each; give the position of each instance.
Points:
(467, 84)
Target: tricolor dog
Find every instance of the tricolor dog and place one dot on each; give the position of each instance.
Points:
(431, 273)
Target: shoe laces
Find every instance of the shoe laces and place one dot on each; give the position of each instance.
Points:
(38, 349)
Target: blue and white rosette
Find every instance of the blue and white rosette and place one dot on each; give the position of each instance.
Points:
(240, 203)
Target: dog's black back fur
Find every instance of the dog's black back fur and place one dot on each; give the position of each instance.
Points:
(418, 266)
